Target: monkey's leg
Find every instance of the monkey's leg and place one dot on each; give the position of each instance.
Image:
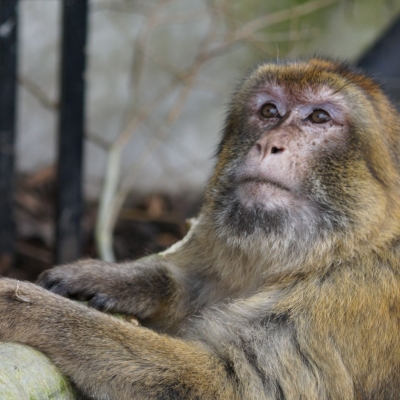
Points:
(105, 357)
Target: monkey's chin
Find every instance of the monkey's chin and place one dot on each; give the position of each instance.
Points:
(256, 206)
(266, 195)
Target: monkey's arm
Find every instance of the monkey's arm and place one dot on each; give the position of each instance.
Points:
(158, 290)
(152, 288)
(105, 357)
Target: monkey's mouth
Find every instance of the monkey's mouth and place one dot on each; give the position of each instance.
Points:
(265, 193)
(262, 181)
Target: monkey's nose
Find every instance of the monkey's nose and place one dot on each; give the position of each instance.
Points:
(264, 148)
(275, 149)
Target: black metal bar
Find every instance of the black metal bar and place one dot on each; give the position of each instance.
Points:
(8, 72)
(71, 131)
(382, 60)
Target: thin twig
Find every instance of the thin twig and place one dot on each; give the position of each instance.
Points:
(104, 224)
(37, 92)
(246, 31)
(264, 21)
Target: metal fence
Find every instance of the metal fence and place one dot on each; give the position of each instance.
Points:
(70, 128)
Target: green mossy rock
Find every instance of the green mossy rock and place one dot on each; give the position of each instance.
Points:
(26, 374)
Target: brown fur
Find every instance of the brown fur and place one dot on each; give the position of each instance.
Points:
(292, 296)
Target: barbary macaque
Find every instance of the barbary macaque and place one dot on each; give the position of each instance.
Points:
(287, 285)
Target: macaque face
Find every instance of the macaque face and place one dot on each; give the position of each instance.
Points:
(285, 156)
(291, 132)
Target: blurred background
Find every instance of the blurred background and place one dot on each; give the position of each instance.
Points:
(107, 136)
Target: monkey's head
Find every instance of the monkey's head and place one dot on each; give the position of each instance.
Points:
(309, 148)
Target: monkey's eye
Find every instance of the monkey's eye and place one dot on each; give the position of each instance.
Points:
(319, 117)
(269, 110)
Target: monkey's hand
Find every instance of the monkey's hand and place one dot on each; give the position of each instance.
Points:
(145, 289)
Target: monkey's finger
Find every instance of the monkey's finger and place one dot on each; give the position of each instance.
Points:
(52, 285)
(58, 285)
(103, 302)
(48, 280)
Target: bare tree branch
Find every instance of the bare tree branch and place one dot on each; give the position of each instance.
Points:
(218, 39)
